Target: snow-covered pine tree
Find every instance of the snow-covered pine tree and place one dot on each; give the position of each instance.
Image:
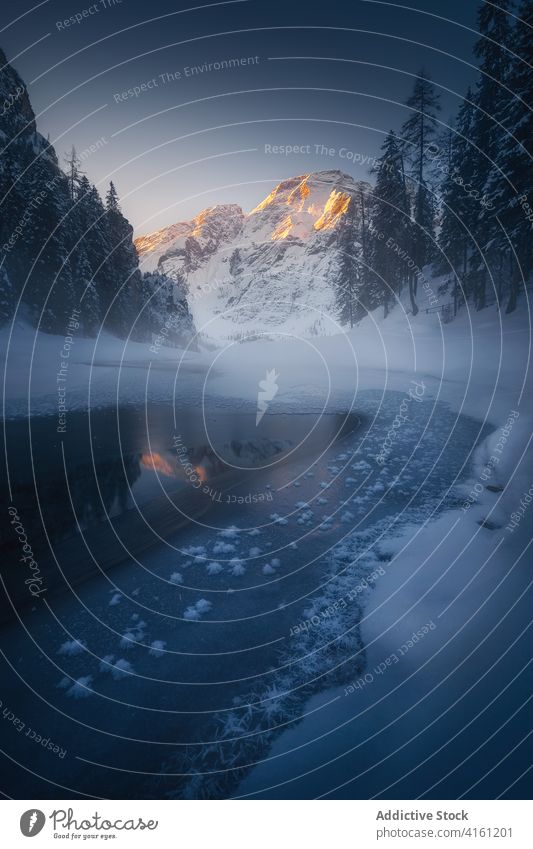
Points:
(46, 244)
(74, 172)
(93, 233)
(7, 297)
(370, 291)
(349, 272)
(122, 268)
(12, 212)
(389, 224)
(88, 301)
(492, 50)
(459, 210)
(418, 132)
(510, 186)
(111, 199)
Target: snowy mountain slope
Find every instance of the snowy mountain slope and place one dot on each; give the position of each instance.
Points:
(188, 244)
(274, 268)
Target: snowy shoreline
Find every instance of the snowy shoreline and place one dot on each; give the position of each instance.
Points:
(463, 570)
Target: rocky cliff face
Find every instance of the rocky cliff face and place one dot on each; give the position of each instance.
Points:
(273, 269)
(61, 247)
(17, 118)
(187, 245)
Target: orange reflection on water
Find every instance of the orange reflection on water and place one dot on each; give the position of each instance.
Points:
(200, 471)
(157, 463)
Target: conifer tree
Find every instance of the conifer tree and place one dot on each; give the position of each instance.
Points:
(349, 277)
(46, 243)
(370, 292)
(93, 230)
(12, 215)
(89, 302)
(418, 132)
(7, 297)
(459, 209)
(389, 229)
(510, 184)
(121, 267)
(492, 51)
(74, 172)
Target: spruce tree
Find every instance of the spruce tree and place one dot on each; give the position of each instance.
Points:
(121, 267)
(89, 302)
(7, 297)
(74, 172)
(389, 226)
(495, 33)
(93, 230)
(459, 210)
(510, 185)
(418, 132)
(349, 277)
(370, 292)
(12, 214)
(46, 244)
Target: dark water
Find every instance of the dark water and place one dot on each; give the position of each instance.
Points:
(127, 478)
(145, 663)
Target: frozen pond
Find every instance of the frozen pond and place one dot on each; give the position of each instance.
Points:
(181, 646)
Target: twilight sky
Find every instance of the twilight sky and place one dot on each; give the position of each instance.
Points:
(327, 77)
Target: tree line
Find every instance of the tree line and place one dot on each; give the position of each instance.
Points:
(73, 250)
(451, 199)
(63, 247)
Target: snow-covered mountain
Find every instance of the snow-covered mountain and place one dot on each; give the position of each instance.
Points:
(190, 243)
(273, 269)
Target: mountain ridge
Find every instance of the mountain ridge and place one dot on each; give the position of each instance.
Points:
(274, 267)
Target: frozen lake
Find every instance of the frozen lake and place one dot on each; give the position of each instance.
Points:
(180, 646)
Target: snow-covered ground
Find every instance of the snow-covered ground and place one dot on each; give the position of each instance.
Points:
(99, 372)
(478, 363)
(468, 572)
